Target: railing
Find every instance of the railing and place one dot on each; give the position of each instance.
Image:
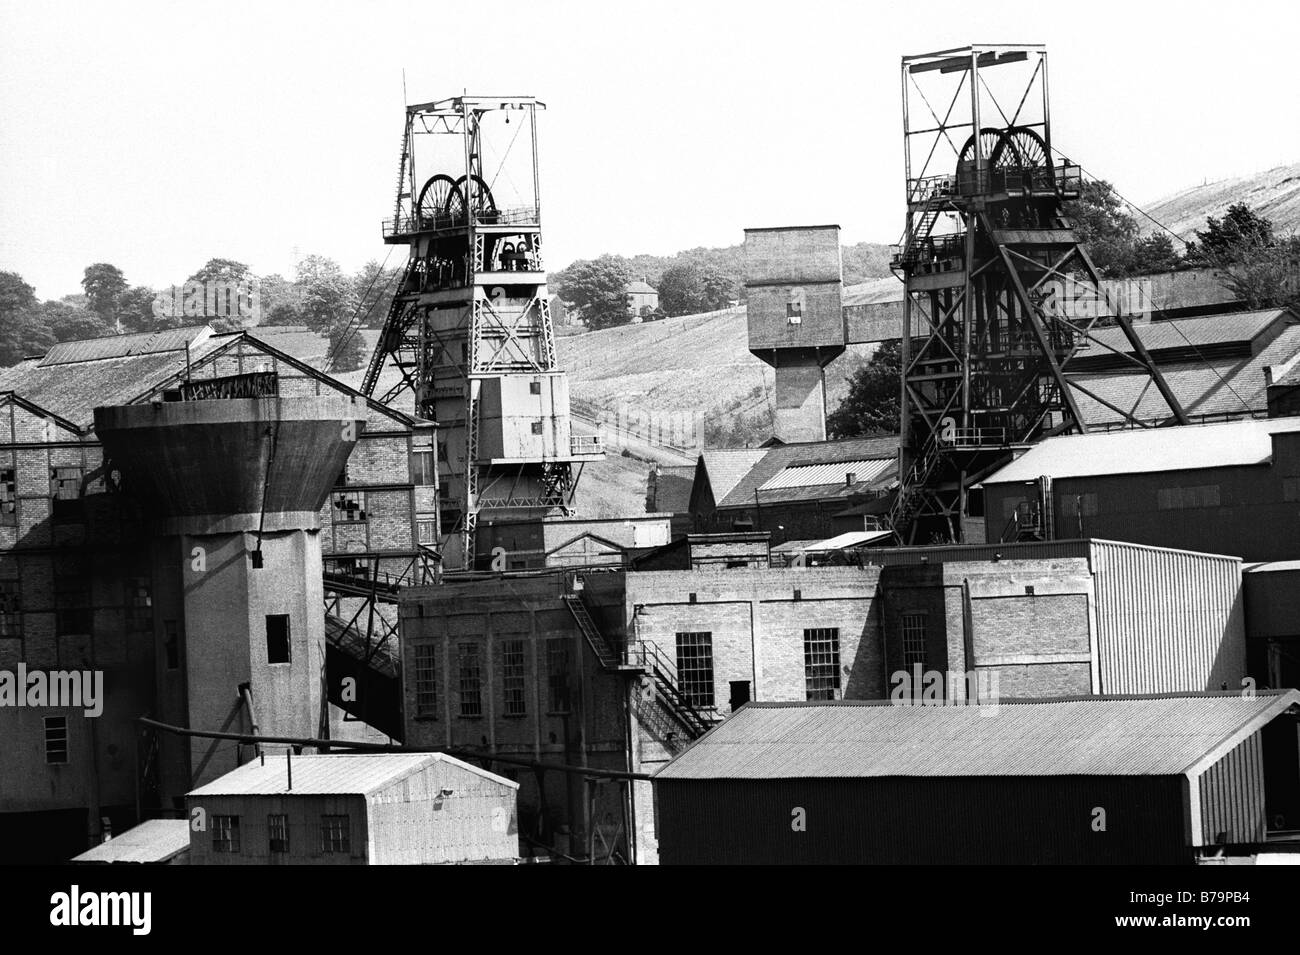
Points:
(975, 438)
(646, 655)
(933, 254)
(1065, 179)
(586, 444)
(405, 225)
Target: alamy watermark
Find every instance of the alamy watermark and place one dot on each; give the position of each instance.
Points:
(239, 299)
(920, 687)
(675, 429)
(73, 689)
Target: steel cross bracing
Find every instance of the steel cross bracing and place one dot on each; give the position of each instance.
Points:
(987, 257)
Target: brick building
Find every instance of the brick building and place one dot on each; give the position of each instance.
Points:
(76, 590)
(619, 670)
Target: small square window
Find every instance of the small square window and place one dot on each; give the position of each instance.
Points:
(537, 427)
(277, 638)
(349, 507)
(534, 387)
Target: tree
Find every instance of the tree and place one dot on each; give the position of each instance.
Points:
(1225, 240)
(599, 290)
(68, 322)
(687, 288)
(103, 284)
(375, 286)
(326, 296)
(1154, 253)
(229, 294)
(1104, 228)
(22, 332)
(347, 351)
(279, 300)
(1266, 276)
(138, 310)
(872, 404)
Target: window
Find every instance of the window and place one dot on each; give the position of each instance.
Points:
(1078, 505)
(349, 507)
(277, 638)
(56, 740)
(534, 387)
(139, 604)
(72, 603)
(471, 680)
(8, 497)
(1291, 489)
(513, 678)
(537, 427)
(426, 531)
(277, 828)
(426, 679)
(225, 834)
(695, 667)
(794, 312)
(11, 609)
(821, 663)
(172, 644)
(1010, 505)
(423, 469)
(334, 834)
(914, 639)
(1178, 498)
(557, 674)
(65, 490)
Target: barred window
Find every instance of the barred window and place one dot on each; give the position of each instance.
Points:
(426, 531)
(56, 739)
(277, 828)
(225, 834)
(471, 680)
(914, 639)
(695, 667)
(426, 679)
(513, 679)
(8, 497)
(821, 663)
(557, 674)
(335, 834)
(11, 609)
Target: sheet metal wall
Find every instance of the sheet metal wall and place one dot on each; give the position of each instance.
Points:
(936, 820)
(1232, 796)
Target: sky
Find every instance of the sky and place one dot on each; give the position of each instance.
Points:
(158, 135)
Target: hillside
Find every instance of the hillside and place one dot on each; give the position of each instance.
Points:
(1274, 194)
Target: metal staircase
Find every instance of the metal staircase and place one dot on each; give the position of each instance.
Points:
(661, 706)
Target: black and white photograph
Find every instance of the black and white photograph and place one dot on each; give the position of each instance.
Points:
(705, 434)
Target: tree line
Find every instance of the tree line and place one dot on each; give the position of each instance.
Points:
(223, 293)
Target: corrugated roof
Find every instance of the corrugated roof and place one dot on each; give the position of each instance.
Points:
(1224, 386)
(725, 468)
(1148, 450)
(1189, 332)
(154, 840)
(336, 774)
(811, 475)
(847, 539)
(121, 346)
(640, 288)
(777, 458)
(1089, 736)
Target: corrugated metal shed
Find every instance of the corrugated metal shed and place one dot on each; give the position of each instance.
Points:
(726, 468)
(1161, 735)
(812, 475)
(776, 459)
(153, 841)
(1148, 450)
(319, 775)
(847, 539)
